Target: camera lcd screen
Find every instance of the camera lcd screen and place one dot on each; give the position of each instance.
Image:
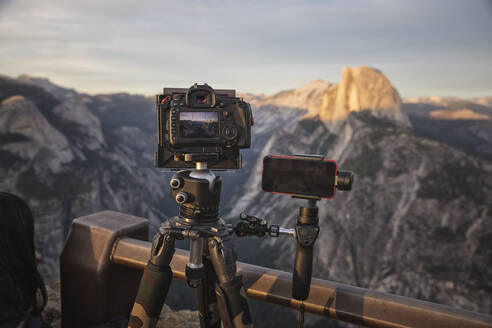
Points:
(299, 176)
(198, 124)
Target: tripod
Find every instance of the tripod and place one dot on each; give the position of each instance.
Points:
(212, 263)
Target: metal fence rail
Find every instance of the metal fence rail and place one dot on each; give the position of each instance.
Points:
(326, 298)
(338, 301)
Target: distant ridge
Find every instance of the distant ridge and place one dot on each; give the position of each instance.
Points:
(308, 97)
(59, 92)
(360, 88)
(458, 114)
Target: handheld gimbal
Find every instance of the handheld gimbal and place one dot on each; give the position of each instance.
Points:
(276, 170)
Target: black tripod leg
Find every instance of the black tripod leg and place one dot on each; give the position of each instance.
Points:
(154, 284)
(207, 301)
(231, 297)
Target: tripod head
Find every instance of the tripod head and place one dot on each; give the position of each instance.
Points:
(198, 194)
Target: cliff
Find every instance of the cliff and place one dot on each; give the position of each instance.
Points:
(360, 89)
(422, 189)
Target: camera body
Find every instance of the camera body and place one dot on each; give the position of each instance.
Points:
(201, 124)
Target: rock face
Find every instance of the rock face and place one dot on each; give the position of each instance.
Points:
(21, 120)
(308, 97)
(463, 124)
(72, 156)
(360, 89)
(417, 222)
(87, 124)
(363, 88)
(57, 91)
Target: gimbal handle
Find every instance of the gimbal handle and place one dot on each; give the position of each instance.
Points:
(305, 233)
(307, 230)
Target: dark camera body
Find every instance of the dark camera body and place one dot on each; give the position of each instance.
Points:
(201, 124)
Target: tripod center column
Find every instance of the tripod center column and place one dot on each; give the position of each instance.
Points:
(201, 165)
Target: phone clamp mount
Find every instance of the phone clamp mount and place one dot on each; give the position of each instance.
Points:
(306, 232)
(211, 267)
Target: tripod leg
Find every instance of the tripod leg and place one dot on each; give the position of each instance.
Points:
(231, 297)
(154, 284)
(207, 301)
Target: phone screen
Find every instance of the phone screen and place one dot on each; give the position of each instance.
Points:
(299, 176)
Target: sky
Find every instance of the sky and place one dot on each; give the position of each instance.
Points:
(431, 47)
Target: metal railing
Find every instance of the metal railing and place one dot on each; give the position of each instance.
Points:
(338, 301)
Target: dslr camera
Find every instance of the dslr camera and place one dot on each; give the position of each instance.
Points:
(201, 124)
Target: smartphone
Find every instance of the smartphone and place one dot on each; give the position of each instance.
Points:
(299, 176)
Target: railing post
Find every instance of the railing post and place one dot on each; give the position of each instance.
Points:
(93, 289)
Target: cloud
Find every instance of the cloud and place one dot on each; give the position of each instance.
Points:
(259, 46)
